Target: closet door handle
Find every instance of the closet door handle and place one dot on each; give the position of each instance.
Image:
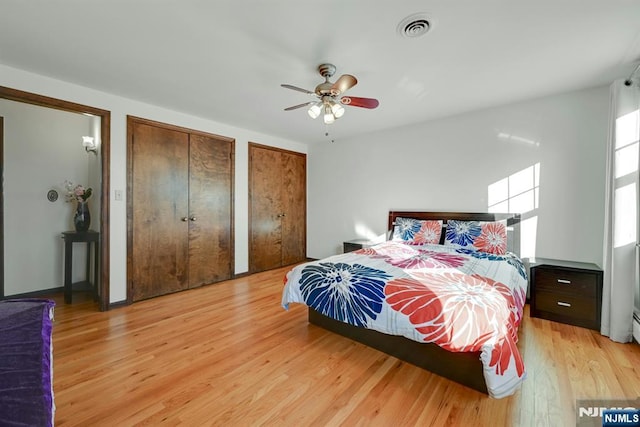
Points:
(184, 219)
(193, 218)
(282, 215)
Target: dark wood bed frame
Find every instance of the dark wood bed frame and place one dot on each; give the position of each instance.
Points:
(463, 368)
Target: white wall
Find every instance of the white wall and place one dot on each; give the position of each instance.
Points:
(121, 107)
(42, 149)
(448, 164)
(445, 164)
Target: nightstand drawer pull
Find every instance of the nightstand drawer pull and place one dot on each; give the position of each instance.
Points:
(564, 304)
(564, 281)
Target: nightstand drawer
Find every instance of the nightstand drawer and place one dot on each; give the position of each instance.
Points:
(574, 307)
(566, 281)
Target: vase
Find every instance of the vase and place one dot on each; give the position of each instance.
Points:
(82, 217)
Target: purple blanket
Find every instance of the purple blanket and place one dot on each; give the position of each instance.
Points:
(26, 392)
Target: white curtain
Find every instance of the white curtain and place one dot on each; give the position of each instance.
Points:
(621, 213)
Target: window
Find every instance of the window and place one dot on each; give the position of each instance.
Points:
(625, 168)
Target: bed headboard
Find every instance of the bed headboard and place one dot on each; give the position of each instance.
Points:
(513, 222)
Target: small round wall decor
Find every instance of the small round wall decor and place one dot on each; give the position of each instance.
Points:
(52, 195)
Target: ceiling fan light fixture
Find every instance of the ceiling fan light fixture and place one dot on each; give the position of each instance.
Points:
(330, 95)
(328, 115)
(337, 110)
(314, 110)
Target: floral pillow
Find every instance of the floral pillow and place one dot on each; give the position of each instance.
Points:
(481, 236)
(417, 232)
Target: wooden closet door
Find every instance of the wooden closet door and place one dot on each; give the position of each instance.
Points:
(265, 177)
(277, 199)
(210, 210)
(160, 191)
(294, 208)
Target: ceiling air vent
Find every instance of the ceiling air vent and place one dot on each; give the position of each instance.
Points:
(413, 26)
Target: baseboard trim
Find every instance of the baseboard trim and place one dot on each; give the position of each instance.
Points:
(45, 293)
(240, 275)
(636, 327)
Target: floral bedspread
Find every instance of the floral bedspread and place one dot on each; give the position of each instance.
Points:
(462, 300)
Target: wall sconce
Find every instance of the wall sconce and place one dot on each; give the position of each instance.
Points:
(90, 145)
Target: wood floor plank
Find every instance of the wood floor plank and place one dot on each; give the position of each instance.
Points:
(229, 354)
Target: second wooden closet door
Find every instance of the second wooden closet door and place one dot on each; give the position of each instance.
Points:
(277, 198)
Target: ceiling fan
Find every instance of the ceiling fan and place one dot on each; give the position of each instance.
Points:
(330, 96)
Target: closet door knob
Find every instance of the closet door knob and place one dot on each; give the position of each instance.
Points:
(193, 218)
(184, 219)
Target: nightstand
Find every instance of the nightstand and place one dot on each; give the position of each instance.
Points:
(354, 245)
(566, 291)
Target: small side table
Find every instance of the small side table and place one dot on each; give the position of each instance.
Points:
(89, 237)
(354, 245)
(566, 291)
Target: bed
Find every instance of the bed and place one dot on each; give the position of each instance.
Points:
(26, 392)
(445, 292)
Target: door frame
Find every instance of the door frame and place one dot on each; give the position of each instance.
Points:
(105, 161)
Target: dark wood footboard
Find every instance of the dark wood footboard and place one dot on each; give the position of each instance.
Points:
(463, 368)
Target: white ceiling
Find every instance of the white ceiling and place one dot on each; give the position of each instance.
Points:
(225, 60)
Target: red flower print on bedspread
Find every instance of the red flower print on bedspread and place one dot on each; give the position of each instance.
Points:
(459, 312)
(429, 259)
(370, 252)
(387, 249)
(502, 352)
(505, 347)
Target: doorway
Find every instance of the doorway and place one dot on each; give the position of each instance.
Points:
(102, 120)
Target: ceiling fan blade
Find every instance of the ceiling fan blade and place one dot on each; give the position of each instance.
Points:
(299, 89)
(343, 84)
(295, 107)
(355, 101)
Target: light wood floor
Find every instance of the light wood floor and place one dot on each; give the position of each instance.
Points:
(228, 354)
